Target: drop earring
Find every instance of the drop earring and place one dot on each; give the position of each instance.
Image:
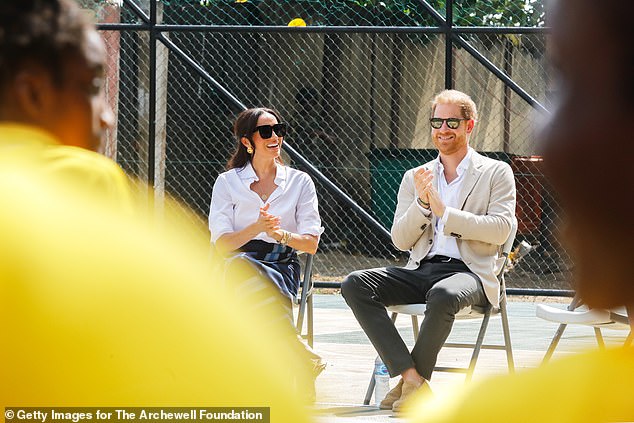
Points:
(249, 150)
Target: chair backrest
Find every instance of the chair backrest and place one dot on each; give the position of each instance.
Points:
(306, 284)
(619, 315)
(505, 250)
(508, 245)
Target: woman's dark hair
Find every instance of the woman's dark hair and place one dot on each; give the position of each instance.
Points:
(244, 126)
(39, 31)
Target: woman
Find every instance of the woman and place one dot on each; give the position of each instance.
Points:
(261, 209)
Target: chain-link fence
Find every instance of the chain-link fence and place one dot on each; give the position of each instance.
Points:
(355, 85)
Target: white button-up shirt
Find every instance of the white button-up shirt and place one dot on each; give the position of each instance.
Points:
(449, 192)
(234, 206)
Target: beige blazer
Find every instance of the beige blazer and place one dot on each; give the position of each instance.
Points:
(481, 224)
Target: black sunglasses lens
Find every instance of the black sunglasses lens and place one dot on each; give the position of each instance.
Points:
(280, 129)
(436, 123)
(266, 131)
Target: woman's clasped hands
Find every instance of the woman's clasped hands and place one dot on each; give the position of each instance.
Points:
(269, 223)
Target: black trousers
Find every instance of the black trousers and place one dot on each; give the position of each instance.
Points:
(445, 285)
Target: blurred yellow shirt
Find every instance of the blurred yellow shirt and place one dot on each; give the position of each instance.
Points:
(98, 308)
(587, 387)
(83, 169)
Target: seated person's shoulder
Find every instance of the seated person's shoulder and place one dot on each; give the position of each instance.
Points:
(87, 170)
(491, 163)
(293, 173)
(78, 158)
(231, 177)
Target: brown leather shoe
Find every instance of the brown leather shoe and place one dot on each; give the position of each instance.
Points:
(392, 396)
(408, 389)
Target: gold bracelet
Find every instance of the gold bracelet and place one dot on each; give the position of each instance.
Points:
(285, 237)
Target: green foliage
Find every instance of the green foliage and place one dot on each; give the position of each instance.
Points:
(499, 13)
(468, 12)
(510, 13)
(95, 5)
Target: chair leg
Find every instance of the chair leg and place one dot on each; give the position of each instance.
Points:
(507, 335)
(554, 342)
(309, 320)
(415, 327)
(305, 300)
(299, 324)
(576, 302)
(478, 345)
(370, 390)
(599, 336)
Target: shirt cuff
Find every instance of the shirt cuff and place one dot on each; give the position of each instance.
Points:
(426, 212)
(310, 230)
(445, 216)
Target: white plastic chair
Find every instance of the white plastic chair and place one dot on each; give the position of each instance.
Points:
(578, 314)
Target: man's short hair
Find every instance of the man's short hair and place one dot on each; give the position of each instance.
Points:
(43, 32)
(468, 107)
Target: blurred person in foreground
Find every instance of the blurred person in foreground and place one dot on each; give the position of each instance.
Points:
(452, 216)
(588, 152)
(52, 102)
(97, 307)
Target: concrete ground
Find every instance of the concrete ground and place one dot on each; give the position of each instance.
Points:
(350, 356)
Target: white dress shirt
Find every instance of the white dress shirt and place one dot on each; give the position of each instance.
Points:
(446, 245)
(234, 206)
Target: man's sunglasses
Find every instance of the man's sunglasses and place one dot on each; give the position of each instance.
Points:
(266, 131)
(452, 123)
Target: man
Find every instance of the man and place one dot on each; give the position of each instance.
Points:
(99, 308)
(452, 215)
(52, 102)
(588, 157)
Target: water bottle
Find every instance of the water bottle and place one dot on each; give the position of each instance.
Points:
(381, 381)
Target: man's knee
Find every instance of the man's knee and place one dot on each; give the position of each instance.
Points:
(442, 301)
(351, 287)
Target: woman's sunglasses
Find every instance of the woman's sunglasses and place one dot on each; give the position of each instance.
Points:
(266, 131)
(452, 123)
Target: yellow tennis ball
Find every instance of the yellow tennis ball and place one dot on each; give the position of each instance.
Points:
(297, 22)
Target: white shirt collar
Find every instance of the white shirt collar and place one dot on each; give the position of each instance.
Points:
(462, 166)
(248, 176)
